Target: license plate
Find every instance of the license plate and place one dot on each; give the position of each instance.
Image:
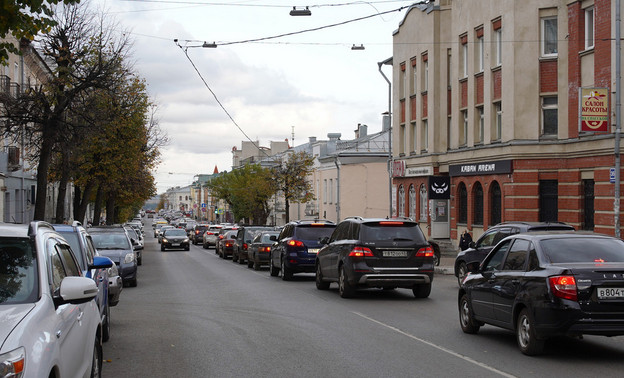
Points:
(175, 244)
(394, 253)
(610, 292)
(313, 250)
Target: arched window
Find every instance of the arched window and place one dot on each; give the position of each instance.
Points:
(412, 202)
(495, 203)
(478, 204)
(462, 205)
(401, 201)
(423, 202)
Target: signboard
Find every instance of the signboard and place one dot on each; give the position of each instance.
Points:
(484, 168)
(594, 109)
(612, 175)
(203, 205)
(418, 171)
(398, 168)
(439, 187)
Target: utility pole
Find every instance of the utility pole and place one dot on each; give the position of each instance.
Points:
(618, 104)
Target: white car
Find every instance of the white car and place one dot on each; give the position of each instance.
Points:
(49, 323)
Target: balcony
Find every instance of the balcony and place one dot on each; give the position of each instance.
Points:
(8, 89)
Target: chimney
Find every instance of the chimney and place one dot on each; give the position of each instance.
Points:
(312, 139)
(385, 122)
(362, 131)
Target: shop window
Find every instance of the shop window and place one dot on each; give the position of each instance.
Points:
(495, 203)
(588, 205)
(462, 195)
(412, 202)
(423, 203)
(401, 201)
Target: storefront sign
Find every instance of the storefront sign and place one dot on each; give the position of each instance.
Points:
(594, 109)
(484, 168)
(398, 168)
(439, 187)
(418, 171)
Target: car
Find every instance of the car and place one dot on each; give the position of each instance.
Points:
(244, 236)
(221, 234)
(198, 232)
(51, 326)
(211, 235)
(174, 238)
(137, 243)
(259, 250)
(375, 253)
(113, 242)
(296, 247)
(479, 249)
(84, 250)
(545, 284)
(161, 230)
(225, 245)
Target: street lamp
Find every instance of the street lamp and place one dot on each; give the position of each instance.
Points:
(388, 62)
(212, 45)
(360, 47)
(300, 12)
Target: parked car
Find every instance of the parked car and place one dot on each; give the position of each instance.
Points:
(297, 246)
(259, 250)
(226, 244)
(85, 252)
(211, 235)
(373, 252)
(113, 242)
(51, 326)
(174, 238)
(221, 234)
(547, 284)
(198, 233)
(161, 230)
(137, 243)
(244, 236)
(479, 249)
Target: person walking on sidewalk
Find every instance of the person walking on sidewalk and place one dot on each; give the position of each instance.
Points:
(465, 240)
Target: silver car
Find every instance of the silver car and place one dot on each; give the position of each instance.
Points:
(44, 296)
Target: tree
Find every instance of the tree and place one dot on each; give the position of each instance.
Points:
(25, 19)
(291, 178)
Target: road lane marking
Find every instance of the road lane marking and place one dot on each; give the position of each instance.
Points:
(441, 348)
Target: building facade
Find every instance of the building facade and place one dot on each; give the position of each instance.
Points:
(486, 94)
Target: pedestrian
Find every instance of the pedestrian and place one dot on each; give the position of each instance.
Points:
(465, 240)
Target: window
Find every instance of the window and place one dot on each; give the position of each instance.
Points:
(424, 136)
(498, 47)
(425, 82)
(402, 138)
(478, 204)
(404, 87)
(414, 146)
(588, 205)
(549, 116)
(464, 136)
(495, 261)
(498, 121)
(480, 125)
(517, 256)
(414, 79)
(480, 53)
(589, 28)
(463, 204)
(412, 202)
(401, 201)
(331, 190)
(325, 191)
(548, 196)
(449, 127)
(464, 50)
(423, 203)
(549, 36)
(495, 203)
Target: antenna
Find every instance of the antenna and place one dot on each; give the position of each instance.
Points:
(292, 137)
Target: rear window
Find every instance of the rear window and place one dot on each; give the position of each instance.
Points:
(583, 250)
(391, 231)
(314, 232)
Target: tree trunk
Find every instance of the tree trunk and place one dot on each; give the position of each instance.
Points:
(42, 173)
(97, 210)
(81, 211)
(287, 209)
(76, 204)
(110, 208)
(61, 217)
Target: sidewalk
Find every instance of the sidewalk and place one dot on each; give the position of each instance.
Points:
(446, 265)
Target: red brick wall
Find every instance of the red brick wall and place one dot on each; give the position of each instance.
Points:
(424, 106)
(479, 89)
(575, 45)
(497, 83)
(402, 103)
(464, 93)
(413, 107)
(548, 76)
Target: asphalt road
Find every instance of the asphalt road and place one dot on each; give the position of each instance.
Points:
(196, 315)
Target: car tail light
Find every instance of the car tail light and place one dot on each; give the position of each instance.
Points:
(196, 232)
(563, 287)
(220, 236)
(245, 246)
(228, 244)
(361, 252)
(391, 223)
(264, 249)
(295, 243)
(425, 252)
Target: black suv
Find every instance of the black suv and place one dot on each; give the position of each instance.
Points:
(479, 249)
(197, 234)
(297, 246)
(373, 252)
(243, 239)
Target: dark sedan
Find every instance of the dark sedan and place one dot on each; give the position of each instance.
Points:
(174, 238)
(547, 284)
(259, 251)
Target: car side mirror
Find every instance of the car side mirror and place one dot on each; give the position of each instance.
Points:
(473, 267)
(324, 240)
(472, 245)
(273, 238)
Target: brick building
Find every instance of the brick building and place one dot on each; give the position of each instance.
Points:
(486, 98)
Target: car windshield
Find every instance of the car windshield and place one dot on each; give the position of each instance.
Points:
(18, 271)
(109, 240)
(72, 239)
(174, 232)
(314, 232)
(583, 250)
(391, 231)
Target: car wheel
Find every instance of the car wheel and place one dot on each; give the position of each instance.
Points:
(528, 342)
(273, 271)
(250, 263)
(96, 364)
(287, 274)
(320, 284)
(422, 290)
(106, 325)
(133, 283)
(187, 248)
(345, 289)
(162, 247)
(436, 260)
(256, 265)
(204, 246)
(462, 272)
(240, 260)
(140, 261)
(466, 319)
(234, 257)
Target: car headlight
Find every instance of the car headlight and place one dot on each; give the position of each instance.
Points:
(12, 363)
(113, 271)
(129, 258)
(186, 240)
(164, 240)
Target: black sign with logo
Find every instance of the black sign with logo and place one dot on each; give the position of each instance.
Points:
(439, 187)
(484, 168)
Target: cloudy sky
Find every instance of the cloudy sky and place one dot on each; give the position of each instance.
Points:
(313, 80)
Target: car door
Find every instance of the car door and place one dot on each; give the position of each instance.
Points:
(482, 285)
(508, 282)
(75, 343)
(329, 255)
(278, 250)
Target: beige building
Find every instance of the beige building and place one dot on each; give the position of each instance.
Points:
(486, 96)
